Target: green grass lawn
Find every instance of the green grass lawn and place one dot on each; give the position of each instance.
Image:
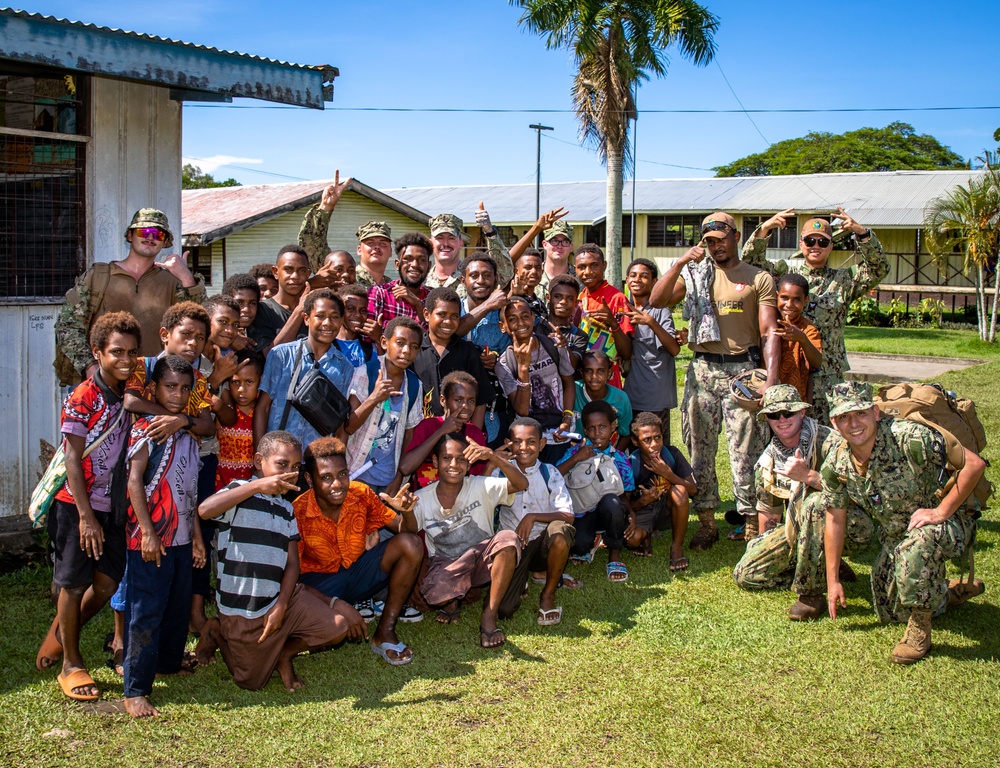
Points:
(934, 342)
(665, 670)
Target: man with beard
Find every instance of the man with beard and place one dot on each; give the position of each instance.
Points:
(405, 296)
(733, 311)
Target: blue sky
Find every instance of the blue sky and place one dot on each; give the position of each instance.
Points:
(473, 55)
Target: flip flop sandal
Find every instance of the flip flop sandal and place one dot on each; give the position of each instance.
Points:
(486, 637)
(451, 617)
(550, 617)
(383, 651)
(617, 568)
(679, 564)
(738, 534)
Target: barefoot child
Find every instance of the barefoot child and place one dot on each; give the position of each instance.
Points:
(458, 396)
(265, 615)
(542, 518)
(89, 557)
(456, 515)
(164, 541)
(664, 486)
(599, 478)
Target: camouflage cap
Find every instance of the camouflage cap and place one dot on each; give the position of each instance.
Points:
(558, 228)
(373, 229)
(719, 217)
(448, 222)
(780, 397)
(817, 227)
(150, 217)
(850, 396)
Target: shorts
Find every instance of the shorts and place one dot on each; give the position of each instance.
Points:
(654, 516)
(72, 567)
(359, 581)
(307, 618)
(448, 579)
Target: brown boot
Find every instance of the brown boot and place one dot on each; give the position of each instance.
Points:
(807, 608)
(707, 533)
(752, 528)
(960, 591)
(917, 640)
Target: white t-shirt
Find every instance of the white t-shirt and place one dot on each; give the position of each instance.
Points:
(452, 532)
(541, 498)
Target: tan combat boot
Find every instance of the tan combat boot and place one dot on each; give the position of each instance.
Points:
(807, 608)
(960, 591)
(707, 533)
(917, 640)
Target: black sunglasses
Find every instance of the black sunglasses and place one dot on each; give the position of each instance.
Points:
(780, 415)
(822, 242)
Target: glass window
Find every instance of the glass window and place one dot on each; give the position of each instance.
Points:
(674, 231)
(786, 237)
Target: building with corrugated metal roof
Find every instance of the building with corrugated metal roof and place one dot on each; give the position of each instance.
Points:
(90, 131)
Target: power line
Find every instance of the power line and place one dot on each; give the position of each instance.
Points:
(744, 109)
(468, 110)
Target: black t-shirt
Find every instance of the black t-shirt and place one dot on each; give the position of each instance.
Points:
(271, 318)
(459, 355)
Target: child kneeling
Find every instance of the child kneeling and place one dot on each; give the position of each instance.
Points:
(664, 486)
(265, 615)
(542, 518)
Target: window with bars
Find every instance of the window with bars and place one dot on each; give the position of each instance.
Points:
(786, 237)
(674, 231)
(42, 201)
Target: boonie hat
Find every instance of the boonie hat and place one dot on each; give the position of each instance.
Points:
(850, 396)
(780, 397)
(151, 217)
(719, 217)
(745, 389)
(373, 229)
(558, 228)
(448, 222)
(817, 227)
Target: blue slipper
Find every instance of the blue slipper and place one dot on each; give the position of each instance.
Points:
(383, 651)
(617, 568)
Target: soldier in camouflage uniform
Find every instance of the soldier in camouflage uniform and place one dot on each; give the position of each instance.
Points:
(735, 305)
(788, 476)
(138, 284)
(374, 239)
(897, 471)
(831, 291)
(449, 238)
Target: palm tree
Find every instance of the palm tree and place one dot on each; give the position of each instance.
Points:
(618, 44)
(968, 218)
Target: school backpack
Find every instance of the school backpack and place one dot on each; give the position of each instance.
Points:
(412, 381)
(592, 479)
(952, 416)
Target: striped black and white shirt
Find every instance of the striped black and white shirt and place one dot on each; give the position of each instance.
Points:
(253, 552)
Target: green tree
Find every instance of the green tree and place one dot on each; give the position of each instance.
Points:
(617, 44)
(968, 219)
(192, 177)
(897, 147)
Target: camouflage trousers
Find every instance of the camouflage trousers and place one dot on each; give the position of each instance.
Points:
(706, 407)
(822, 383)
(772, 562)
(909, 573)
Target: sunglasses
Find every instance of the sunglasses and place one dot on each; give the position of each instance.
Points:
(780, 415)
(715, 226)
(812, 242)
(151, 233)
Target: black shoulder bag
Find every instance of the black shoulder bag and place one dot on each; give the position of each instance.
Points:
(314, 396)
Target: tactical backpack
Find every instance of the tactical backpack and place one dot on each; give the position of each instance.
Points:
(66, 371)
(952, 416)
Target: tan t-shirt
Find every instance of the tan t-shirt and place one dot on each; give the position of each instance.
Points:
(737, 293)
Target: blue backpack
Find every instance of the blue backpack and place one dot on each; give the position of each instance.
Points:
(412, 381)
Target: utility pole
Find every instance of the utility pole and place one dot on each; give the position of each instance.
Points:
(538, 128)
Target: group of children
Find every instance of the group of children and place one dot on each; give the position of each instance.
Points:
(520, 453)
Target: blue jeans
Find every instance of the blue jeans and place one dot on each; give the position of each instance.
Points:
(157, 607)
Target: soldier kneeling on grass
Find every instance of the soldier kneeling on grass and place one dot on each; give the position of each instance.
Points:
(897, 471)
(788, 480)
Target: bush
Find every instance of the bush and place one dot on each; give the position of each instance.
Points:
(933, 309)
(897, 312)
(863, 311)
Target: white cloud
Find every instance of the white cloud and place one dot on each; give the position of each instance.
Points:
(213, 163)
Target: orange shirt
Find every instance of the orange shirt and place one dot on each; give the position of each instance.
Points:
(326, 546)
(794, 368)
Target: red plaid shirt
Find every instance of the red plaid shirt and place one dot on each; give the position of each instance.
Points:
(382, 302)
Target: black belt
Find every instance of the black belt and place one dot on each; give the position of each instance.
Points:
(709, 357)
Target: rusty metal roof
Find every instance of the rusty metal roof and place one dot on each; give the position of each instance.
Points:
(82, 47)
(885, 199)
(211, 214)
